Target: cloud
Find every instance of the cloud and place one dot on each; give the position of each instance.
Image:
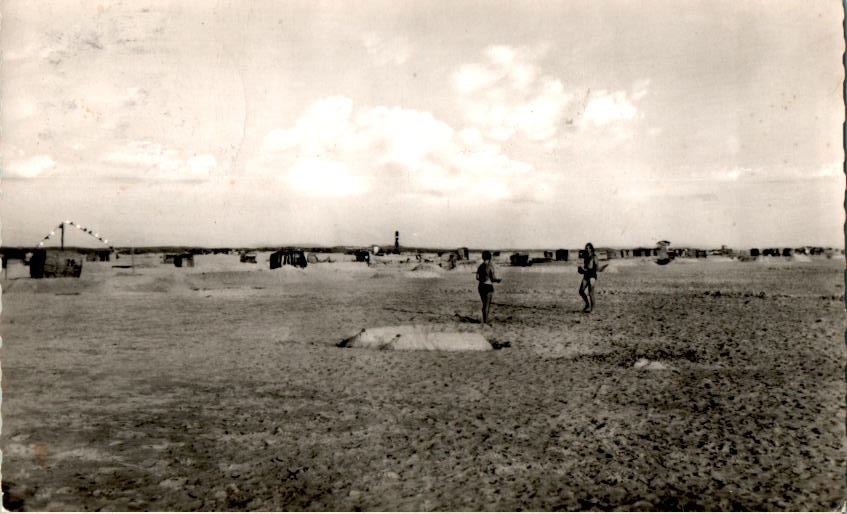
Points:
(604, 108)
(149, 160)
(324, 178)
(335, 149)
(202, 165)
(603, 127)
(394, 51)
(18, 108)
(29, 167)
(508, 95)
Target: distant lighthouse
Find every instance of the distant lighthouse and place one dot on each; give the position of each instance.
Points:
(396, 241)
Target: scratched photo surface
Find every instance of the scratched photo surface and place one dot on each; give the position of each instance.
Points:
(248, 252)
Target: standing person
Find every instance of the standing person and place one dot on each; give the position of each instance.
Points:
(588, 270)
(486, 277)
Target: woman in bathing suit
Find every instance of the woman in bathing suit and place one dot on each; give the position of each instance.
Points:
(486, 277)
(588, 270)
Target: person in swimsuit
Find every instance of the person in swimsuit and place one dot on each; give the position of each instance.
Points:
(486, 277)
(588, 270)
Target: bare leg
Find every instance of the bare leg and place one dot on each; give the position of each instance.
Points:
(486, 305)
(591, 294)
(582, 286)
(486, 298)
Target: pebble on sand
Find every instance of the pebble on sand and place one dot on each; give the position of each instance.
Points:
(647, 364)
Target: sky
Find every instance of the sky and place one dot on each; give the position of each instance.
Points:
(490, 123)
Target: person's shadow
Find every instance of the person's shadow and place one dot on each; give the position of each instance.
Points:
(467, 319)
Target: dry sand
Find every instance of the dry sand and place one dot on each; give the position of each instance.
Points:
(220, 387)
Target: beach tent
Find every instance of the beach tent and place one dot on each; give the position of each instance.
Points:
(55, 263)
(362, 256)
(184, 260)
(276, 259)
(519, 259)
(561, 255)
(290, 257)
(101, 256)
(45, 262)
(662, 253)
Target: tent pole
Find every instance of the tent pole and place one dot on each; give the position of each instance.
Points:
(62, 226)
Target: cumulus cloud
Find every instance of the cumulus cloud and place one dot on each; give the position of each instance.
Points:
(604, 125)
(336, 149)
(28, 167)
(320, 177)
(507, 94)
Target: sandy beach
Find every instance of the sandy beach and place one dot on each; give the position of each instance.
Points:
(705, 384)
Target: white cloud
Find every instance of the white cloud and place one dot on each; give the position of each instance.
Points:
(324, 178)
(144, 154)
(759, 174)
(202, 165)
(604, 108)
(501, 54)
(334, 149)
(473, 77)
(17, 108)
(407, 136)
(733, 174)
(507, 95)
(394, 51)
(30, 167)
(146, 159)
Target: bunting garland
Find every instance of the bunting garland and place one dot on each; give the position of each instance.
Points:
(88, 231)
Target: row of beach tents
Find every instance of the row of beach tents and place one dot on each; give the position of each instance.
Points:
(48, 262)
